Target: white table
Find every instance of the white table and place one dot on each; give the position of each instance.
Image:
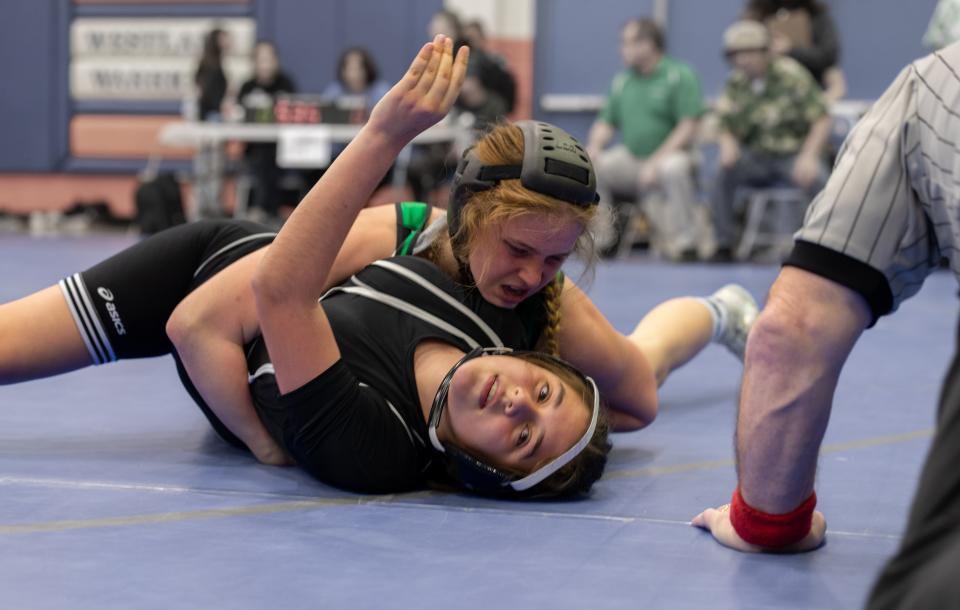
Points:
(195, 134)
(300, 145)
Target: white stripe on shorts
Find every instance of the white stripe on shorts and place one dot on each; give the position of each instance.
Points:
(231, 246)
(87, 319)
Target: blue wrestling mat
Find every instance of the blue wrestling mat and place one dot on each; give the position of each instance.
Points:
(116, 494)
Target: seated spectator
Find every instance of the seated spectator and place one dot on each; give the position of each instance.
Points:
(257, 97)
(944, 26)
(490, 68)
(357, 75)
(773, 127)
(654, 103)
(487, 96)
(487, 69)
(432, 165)
(804, 30)
(475, 36)
(485, 105)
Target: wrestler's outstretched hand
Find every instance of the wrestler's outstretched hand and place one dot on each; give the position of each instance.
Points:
(425, 93)
(717, 522)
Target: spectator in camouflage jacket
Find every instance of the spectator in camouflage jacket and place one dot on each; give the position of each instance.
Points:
(773, 127)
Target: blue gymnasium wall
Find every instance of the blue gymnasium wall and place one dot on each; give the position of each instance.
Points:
(575, 51)
(34, 39)
(33, 132)
(577, 44)
(310, 34)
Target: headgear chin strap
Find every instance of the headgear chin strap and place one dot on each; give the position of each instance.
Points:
(554, 164)
(483, 477)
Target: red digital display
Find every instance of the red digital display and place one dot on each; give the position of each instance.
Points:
(288, 110)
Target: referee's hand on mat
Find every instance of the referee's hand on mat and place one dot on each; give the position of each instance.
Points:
(717, 522)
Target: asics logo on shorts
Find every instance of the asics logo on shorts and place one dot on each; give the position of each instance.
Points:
(107, 296)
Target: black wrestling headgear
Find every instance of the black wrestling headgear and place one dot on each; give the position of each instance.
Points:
(554, 164)
(482, 477)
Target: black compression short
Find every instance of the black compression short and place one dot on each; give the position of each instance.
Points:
(122, 304)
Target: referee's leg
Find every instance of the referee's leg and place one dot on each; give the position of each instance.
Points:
(924, 572)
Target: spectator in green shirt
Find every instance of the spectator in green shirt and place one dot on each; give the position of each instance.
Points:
(773, 127)
(944, 27)
(654, 103)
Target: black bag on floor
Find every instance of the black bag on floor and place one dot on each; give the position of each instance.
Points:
(159, 204)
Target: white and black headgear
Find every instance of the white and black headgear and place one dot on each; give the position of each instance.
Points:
(480, 476)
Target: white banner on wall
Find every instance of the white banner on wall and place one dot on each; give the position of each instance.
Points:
(150, 59)
(152, 37)
(141, 79)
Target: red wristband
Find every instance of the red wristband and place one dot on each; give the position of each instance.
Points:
(772, 531)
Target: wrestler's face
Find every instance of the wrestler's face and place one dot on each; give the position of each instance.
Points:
(516, 258)
(513, 413)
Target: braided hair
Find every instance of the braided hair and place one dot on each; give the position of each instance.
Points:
(549, 341)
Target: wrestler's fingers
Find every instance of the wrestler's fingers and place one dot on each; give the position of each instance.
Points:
(417, 66)
(458, 74)
(429, 73)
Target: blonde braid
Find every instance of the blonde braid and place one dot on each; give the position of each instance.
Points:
(549, 341)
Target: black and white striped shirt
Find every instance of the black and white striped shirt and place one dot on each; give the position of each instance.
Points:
(891, 209)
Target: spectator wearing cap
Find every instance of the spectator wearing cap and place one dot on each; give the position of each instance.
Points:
(773, 127)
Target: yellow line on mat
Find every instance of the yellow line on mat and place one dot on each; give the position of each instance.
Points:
(188, 515)
(282, 507)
